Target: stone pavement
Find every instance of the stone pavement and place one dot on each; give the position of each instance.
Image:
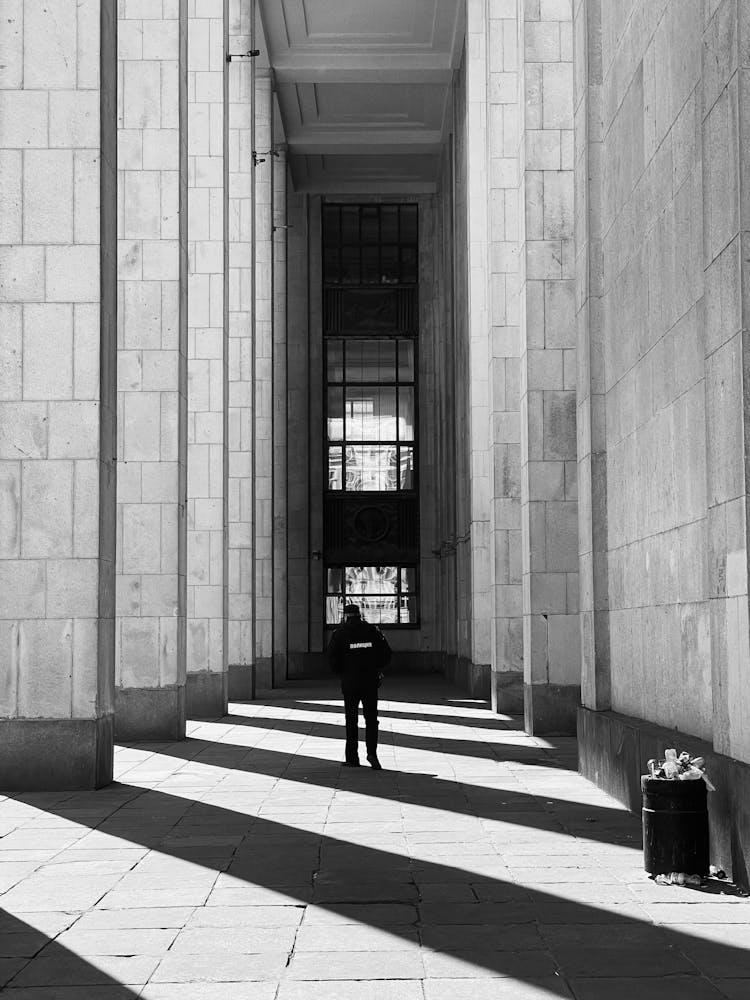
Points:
(246, 864)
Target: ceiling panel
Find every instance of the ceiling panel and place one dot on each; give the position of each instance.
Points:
(363, 86)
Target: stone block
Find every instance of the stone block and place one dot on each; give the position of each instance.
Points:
(557, 95)
(559, 425)
(22, 588)
(86, 487)
(11, 352)
(141, 532)
(142, 314)
(48, 352)
(72, 274)
(72, 588)
(11, 196)
(24, 116)
(21, 272)
(11, 46)
(45, 663)
(142, 94)
(47, 512)
(86, 182)
(74, 430)
(74, 119)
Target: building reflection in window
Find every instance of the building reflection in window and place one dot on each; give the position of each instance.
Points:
(386, 595)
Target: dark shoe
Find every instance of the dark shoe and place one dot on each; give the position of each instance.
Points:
(351, 763)
(374, 762)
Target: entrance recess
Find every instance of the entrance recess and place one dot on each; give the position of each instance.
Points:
(370, 323)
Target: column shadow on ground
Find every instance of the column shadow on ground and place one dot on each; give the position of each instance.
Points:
(529, 934)
(501, 723)
(600, 824)
(483, 750)
(21, 944)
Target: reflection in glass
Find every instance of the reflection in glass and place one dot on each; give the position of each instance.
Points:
(335, 361)
(371, 468)
(335, 414)
(350, 224)
(336, 468)
(406, 414)
(389, 223)
(406, 361)
(386, 595)
(350, 265)
(371, 361)
(334, 610)
(370, 266)
(406, 469)
(371, 413)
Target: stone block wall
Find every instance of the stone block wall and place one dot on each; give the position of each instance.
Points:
(653, 387)
(207, 362)
(57, 393)
(549, 477)
(152, 369)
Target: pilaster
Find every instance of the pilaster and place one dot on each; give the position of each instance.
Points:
(241, 358)
(263, 384)
(280, 417)
(57, 394)
(548, 373)
(207, 363)
(152, 371)
(726, 226)
(591, 383)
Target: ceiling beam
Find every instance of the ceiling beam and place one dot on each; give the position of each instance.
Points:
(351, 69)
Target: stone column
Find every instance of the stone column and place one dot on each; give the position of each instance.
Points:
(480, 476)
(506, 649)
(548, 372)
(591, 385)
(207, 686)
(280, 409)
(152, 375)
(57, 393)
(726, 214)
(240, 397)
(263, 381)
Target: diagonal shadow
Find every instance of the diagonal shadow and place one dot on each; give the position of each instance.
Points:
(530, 935)
(595, 823)
(484, 750)
(21, 944)
(501, 724)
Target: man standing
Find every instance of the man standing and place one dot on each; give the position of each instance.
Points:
(359, 652)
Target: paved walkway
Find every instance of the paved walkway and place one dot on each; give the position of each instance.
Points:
(246, 864)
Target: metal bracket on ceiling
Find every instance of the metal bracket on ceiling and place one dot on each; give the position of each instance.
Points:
(250, 54)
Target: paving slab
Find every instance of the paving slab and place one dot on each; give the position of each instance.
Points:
(246, 864)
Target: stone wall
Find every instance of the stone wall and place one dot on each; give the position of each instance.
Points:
(57, 393)
(653, 386)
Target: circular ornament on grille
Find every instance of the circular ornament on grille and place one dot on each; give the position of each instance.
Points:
(371, 524)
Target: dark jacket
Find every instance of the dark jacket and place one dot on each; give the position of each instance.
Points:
(358, 651)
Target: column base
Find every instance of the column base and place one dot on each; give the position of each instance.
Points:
(207, 694)
(55, 755)
(241, 682)
(506, 694)
(149, 714)
(550, 709)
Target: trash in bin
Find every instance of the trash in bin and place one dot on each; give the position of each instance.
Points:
(675, 818)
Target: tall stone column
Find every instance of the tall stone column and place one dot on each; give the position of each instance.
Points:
(57, 393)
(726, 216)
(548, 372)
(506, 649)
(207, 677)
(263, 540)
(280, 408)
(591, 385)
(241, 360)
(480, 476)
(152, 375)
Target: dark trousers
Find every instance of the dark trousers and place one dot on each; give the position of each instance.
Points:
(353, 695)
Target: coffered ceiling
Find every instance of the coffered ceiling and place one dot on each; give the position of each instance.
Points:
(363, 88)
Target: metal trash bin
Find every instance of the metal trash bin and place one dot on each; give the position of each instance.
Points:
(675, 826)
